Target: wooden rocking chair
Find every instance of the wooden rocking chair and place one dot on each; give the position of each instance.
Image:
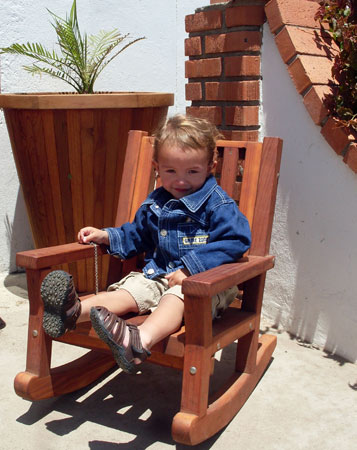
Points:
(248, 171)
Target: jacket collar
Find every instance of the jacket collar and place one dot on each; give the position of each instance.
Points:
(193, 202)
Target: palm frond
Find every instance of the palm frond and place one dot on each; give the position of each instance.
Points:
(101, 62)
(39, 53)
(61, 74)
(69, 37)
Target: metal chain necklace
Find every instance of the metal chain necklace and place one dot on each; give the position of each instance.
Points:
(96, 267)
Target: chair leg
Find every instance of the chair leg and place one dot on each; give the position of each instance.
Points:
(195, 382)
(39, 345)
(39, 381)
(248, 345)
(191, 429)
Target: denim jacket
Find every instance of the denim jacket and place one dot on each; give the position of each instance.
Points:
(198, 232)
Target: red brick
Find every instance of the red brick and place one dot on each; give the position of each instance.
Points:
(237, 41)
(203, 68)
(240, 135)
(235, 90)
(202, 21)
(242, 65)
(193, 91)
(351, 157)
(336, 136)
(245, 135)
(193, 46)
(291, 12)
(314, 103)
(293, 40)
(227, 134)
(242, 115)
(306, 70)
(211, 113)
(245, 15)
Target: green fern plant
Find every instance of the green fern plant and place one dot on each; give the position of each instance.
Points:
(82, 57)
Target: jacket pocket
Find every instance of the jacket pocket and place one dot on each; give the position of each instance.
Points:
(190, 236)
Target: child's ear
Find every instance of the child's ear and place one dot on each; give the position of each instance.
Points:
(156, 167)
(212, 166)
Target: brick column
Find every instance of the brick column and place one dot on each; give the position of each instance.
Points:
(223, 70)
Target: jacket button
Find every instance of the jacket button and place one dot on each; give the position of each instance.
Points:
(171, 265)
(151, 271)
(163, 233)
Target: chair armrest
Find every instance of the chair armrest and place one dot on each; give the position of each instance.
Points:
(213, 281)
(59, 254)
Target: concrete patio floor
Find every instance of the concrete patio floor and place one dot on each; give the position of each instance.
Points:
(307, 399)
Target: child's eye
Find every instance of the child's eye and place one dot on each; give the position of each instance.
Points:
(193, 171)
(170, 171)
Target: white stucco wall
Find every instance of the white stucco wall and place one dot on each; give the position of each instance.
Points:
(313, 290)
(155, 64)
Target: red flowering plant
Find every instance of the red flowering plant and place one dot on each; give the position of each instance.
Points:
(341, 18)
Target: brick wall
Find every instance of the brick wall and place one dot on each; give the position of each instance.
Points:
(223, 69)
(308, 53)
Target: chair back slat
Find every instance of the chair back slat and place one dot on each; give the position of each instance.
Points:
(266, 196)
(129, 178)
(251, 169)
(144, 175)
(229, 170)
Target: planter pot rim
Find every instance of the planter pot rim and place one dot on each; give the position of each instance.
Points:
(45, 100)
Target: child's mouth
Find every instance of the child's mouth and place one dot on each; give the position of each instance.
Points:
(182, 190)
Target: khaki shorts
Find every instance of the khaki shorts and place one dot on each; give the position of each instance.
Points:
(147, 293)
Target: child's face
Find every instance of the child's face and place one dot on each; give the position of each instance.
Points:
(182, 172)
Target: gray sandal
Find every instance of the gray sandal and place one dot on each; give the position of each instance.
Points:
(111, 329)
(62, 306)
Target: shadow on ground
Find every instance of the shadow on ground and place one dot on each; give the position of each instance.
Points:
(16, 284)
(143, 406)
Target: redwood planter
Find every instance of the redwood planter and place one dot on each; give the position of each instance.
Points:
(69, 151)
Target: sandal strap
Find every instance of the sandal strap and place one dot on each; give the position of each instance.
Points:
(72, 315)
(136, 344)
(135, 340)
(116, 327)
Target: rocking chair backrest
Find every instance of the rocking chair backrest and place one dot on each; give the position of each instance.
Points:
(249, 174)
(247, 171)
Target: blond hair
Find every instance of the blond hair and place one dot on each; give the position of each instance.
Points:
(187, 132)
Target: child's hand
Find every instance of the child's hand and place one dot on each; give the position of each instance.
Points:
(177, 277)
(91, 234)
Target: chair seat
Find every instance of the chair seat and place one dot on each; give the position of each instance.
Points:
(233, 324)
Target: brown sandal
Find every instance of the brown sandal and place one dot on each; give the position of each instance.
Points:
(62, 306)
(111, 329)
